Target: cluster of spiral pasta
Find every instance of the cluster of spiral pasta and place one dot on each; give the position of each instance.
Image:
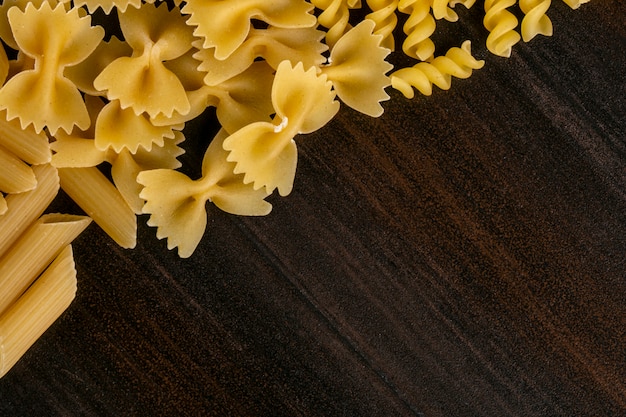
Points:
(273, 71)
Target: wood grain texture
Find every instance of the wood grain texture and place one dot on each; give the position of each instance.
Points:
(462, 255)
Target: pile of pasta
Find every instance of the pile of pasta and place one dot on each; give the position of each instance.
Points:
(77, 96)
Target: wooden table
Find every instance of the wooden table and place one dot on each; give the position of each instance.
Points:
(462, 255)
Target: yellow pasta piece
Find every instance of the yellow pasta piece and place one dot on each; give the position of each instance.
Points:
(127, 166)
(120, 128)
(142, 81)
(4, 66)
(266, 152)
(5, 28)
(274, 45)
(501, 24)
(15, 175)
(575, 4)
(357, 69)
(55, 39)
(240, 100)
(383, 14)
(245, 98)
(335, 17)
(535, 21)
(84, 73)
(180, 213)
(24, 208)
(28, 145)
(107, 5)
(419, 27)
(442, 9)
(95, 194)
(225, 24)
(35, 311)
(3, 205)
(34, 251)
(457, 62)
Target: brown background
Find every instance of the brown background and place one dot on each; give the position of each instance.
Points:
(462, 255)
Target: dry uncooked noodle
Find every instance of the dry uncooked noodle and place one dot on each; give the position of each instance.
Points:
(74, 97)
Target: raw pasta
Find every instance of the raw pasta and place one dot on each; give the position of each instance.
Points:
(42, 304)
(73, 97)
(54, 38)
(419, 27)
(501, 24)
(457, 62)
(535, 21)
(34, 251)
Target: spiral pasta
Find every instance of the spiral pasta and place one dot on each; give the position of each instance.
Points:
(457, 62)
(501, 24)
(419, 26)
(384, 15)
(535, 21)
(334, 17)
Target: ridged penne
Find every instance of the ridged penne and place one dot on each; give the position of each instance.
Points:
(95, 194)
(26, 144)
(15, 175)
(35, 311)
(34, 251)
(24, 208)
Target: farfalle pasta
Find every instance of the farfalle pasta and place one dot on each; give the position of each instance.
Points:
(54, 38)
(180, 215)
(74, 99)
(265, 152)
(225, 24)
(141, 81)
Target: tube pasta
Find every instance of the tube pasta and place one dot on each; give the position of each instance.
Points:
(15, 176)
(457, 62)
(34, 251)
(26, 144)
(95, 194)
(24, 208)
(35, 311)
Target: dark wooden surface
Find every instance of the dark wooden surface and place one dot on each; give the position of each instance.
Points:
(462, 255)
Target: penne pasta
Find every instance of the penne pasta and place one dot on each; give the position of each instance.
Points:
(15, 175)
(29, 146)
(24, 208)
(34, 251)
(95, 194)
(35, 311)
